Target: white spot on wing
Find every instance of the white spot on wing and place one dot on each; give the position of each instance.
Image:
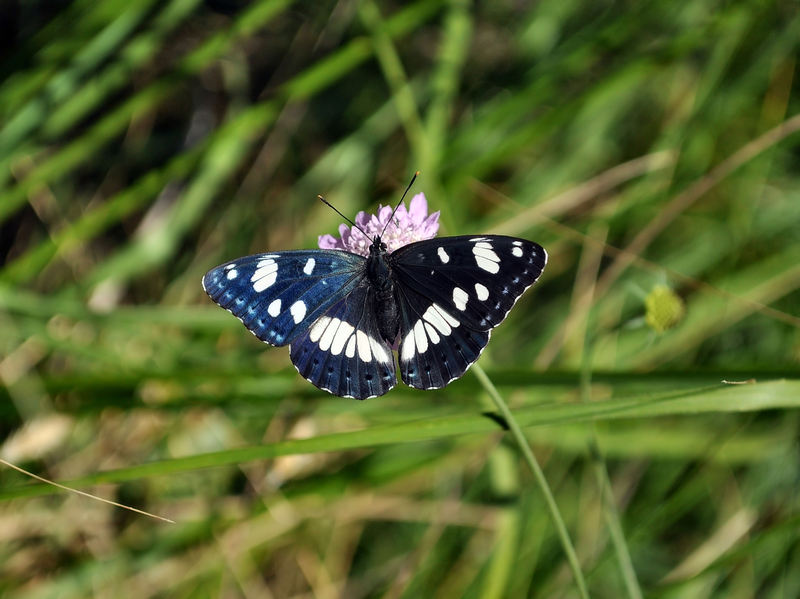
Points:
(265, 282)
(343, 333)
(487, 253)
(327, 337)
(266, 262)
(309, 267)
(318, 328)
(362, 343)
(517, 243)
(460, 298)
(298, 311)
(229, 266)
(274, 308)
(485, 257)
(517, 251)
(481, 292)
(443, 256)
(407, 347)
(450, 320)
(432, 316)
(487, 265)
(350, 350)
(265, 275)
(432, 334)
(420, 337)
(378, 351)
(232, 274)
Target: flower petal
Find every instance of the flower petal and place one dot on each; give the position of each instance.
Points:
(362, 219)
(384, 213)
(329, 242)
(418, 208)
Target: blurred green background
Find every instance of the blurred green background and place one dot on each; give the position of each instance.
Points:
(650, 147)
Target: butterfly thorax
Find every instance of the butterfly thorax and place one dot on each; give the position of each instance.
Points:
(380, 279)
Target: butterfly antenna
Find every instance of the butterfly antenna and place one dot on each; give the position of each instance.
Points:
(332, 207)
(414, 178)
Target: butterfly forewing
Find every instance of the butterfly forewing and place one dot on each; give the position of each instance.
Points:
(476, 278)
(451, 292)
(343, 353)
(280, 294)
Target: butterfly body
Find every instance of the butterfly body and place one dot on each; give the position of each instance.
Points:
(342, 313)
(379, 276)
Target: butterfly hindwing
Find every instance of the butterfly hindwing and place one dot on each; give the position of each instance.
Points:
(279, 295)
(435, 348)
(451, 292)
(343, 353)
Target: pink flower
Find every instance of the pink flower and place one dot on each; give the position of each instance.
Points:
(407, 226)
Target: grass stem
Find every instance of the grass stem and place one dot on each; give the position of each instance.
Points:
(530, 459)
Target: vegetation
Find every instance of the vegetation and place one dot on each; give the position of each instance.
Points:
(652, 148)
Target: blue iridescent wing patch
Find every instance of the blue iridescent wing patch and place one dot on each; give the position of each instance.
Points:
(279, 295)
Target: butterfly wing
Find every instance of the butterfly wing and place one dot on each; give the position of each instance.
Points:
(279, 295)
(435, 348)
(451, 292)
(343, 352)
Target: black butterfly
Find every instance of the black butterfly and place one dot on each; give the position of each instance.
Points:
(342, 313)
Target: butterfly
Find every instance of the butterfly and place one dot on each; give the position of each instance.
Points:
(341, 313)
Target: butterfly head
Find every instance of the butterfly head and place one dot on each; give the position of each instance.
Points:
(377, 247)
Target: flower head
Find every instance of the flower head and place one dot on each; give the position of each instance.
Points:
(407, 226)
(664, 308)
